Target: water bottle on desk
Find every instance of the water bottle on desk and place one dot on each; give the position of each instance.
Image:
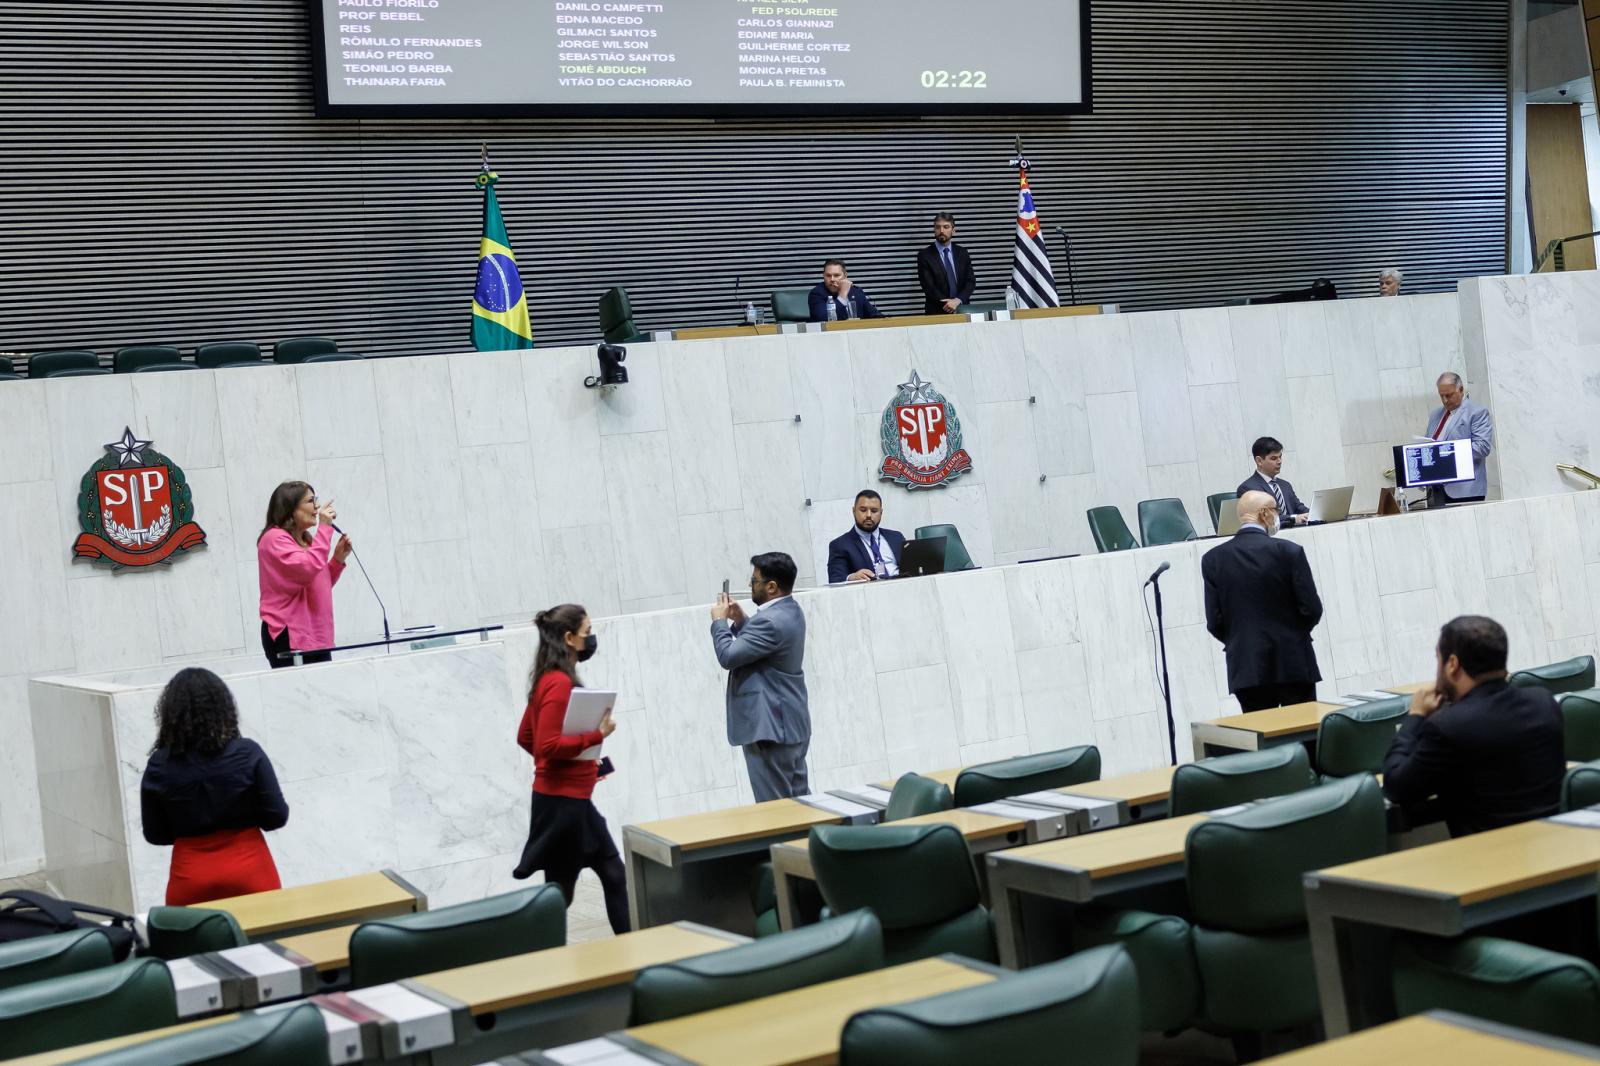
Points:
(751, 315)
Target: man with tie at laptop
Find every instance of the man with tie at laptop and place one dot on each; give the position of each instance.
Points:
(1268, 454)
(867, 552)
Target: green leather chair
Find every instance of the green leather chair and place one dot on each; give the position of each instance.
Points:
(955, 552)
(79, 1008)
(177, 932)
(49, 364)
(334, 357)
(164, 368)
(1354, 740)
(298, 349)
(41, 957)
(616, 318)
(1580, 720)
(791, 305)
(1499, 981)
(226, 353)
(1082, 1009)
(1161, 950)
(387, 949)
(918, 879)
(832, 949)
(912, 795)
(982, 307)
(1244, 874)
(257, 1038)
(1571, 675)
(1110, 532)
(127, 360)
(1225, 780)
(1214, 504)
(991, 781)
(1164, 521)
(1580, 787)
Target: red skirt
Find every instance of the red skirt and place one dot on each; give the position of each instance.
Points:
(230, 862)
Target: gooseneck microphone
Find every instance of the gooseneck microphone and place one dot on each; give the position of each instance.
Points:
(1163, 568)
(384, 611)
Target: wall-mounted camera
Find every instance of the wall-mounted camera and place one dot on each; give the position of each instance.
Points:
(612, 372)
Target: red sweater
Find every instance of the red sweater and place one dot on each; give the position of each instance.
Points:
(556, 772)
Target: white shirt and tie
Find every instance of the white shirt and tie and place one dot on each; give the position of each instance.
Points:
(883, 564)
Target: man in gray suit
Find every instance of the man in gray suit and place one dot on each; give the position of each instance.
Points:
(1459, 418)
(768, 713)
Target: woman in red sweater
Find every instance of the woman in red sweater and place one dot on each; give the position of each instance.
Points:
(566, 832)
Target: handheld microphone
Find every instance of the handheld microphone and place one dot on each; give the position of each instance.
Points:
(1163, 568)
(382, 610)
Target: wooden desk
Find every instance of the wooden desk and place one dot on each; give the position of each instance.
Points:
(1022, 314)
(326, 949)
(1144, 792)
(323, 904)
(100, 1047)
(711, 333)
(794, 880)
(1442, 889)
(1440, 1038)
(896, 320)
(698, 866)
(799, 1028)
(1079, 870)
(1294, 724)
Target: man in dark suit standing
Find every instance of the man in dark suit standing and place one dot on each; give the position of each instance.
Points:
(1493, 754)
(769, 713)
(1262, 603)
(944, 270)
(838, 297)
(867, 552)
(1268, 454)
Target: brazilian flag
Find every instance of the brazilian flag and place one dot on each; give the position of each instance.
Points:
(499, 306)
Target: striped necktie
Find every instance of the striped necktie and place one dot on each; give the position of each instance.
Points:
(1277, 494)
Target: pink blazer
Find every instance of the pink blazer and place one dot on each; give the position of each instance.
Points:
(297, 586)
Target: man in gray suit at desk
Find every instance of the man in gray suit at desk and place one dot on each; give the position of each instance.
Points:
(1459, 418)
(768, 713)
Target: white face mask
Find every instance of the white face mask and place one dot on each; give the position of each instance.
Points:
(1272, 530)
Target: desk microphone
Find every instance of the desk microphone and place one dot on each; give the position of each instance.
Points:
(384, 611)
(1163, 568)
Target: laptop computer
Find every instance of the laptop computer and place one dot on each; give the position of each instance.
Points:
(1228, 519)
(1331, 505)
(919, 558)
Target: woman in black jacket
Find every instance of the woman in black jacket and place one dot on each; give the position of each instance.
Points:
(209, 793)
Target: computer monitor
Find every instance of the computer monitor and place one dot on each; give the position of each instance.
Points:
(1434, 462)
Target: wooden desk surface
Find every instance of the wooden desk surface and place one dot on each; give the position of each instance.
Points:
(1424, 1041)
(100, 1047)
(522, 979)
(373, 895)
(896, 320)
(1279, 721)
(1482, 866)
(800, 1028)
(973, 825)
(711, 333)
(1146, 786)
(1409, 689)
(1115, 851)
(733, 824)
(1025, 313)
(328, 949)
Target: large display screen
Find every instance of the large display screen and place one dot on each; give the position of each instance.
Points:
(488, 57)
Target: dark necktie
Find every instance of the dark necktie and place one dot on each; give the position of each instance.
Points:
(877, 559)
(1277, 494)
(950, 272)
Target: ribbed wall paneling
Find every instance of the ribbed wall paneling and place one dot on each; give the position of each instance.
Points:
(165, 179)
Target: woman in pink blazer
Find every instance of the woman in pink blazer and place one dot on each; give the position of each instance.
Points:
(297, 574)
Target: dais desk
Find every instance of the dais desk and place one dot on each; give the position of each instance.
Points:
(1296, 723)
(322, 904)
(1441, 889)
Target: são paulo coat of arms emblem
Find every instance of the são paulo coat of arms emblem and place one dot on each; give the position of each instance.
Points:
(921, 438)
(134, 507)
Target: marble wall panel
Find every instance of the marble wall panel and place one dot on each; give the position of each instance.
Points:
(323, 722)
(1067, 501)
(1060, 417)
(338, 826)
(1130, 744)
(1011, 482)
(759, 386)
(1411, 622)
(774, 492)
(1314, 427)
(705, 471)
(1586, 509)
(422, 457)
(1055, 697)
(486, 391)
(880, 360)
(1180, 481)
(505, 551)
(179, 413)
(1208, 346)
(1586, 306)
(1114, 633)
(1514, 603)
(1263, 383)
(1161, 370)
(846, 723)
(1122, 472)
(1043, 606)
(1394, 334)
(942, 355)
(579, 569)
(1345, 568)
(919, 722)
(1000, 354)
(1564, 603)
(564, 429)
(436, 586)
(21, 827)
(38, 622)
(715, 549)
(1104, 347)
(1436, 318)
(1506, 540)
(685, 692)
(114, 618)
(1550, 310)
(1355, 375)
(338, 408)
(637, 407)
(644, 515)
(1306, 347)
(191, 625)
(25, 414)
(84, 415)
(1222, 440)
(1545, 407)
(831, 445)
(980, 653)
